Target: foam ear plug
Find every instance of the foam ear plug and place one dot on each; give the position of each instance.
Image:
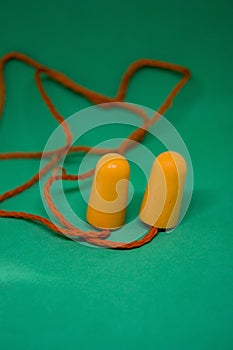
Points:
(163, 196)
(109, 192)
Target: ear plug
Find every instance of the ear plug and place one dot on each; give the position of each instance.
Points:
(109, 192)
(162, 200)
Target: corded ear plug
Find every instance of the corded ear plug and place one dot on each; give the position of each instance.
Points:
(163, 196)
(109, 192)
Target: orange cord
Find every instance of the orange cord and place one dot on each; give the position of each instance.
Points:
(66, 228)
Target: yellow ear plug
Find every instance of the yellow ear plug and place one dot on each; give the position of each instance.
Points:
(109, 192)
(161, 203)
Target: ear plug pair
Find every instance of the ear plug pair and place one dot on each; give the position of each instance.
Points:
(162, 199)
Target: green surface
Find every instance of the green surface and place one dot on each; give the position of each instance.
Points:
(176, 292)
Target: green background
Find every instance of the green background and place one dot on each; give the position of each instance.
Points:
(176, 292)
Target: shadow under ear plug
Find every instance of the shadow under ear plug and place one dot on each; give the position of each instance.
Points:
(161, 203)
(109, 192)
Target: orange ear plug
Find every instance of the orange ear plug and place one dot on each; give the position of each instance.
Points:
(161, 203)
(109, 192)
